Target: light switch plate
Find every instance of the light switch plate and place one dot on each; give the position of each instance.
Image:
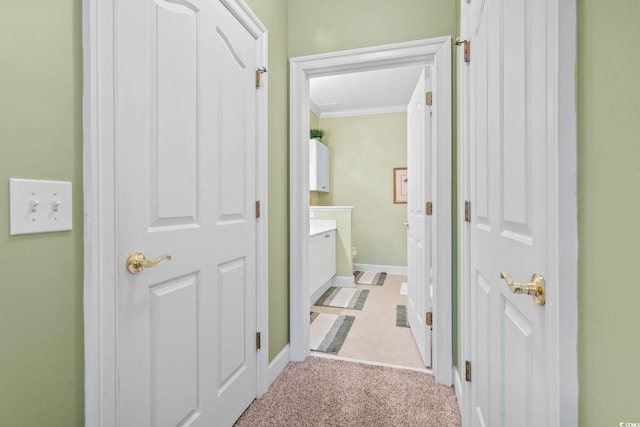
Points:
(39, 206)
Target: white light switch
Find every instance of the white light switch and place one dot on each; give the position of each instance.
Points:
(39, 206)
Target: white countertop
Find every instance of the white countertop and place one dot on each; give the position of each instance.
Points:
(319, 226)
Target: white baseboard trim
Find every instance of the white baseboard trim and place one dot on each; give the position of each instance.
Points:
(343, 281)
(458, 385)
(318, 292)
(389, 269)
(278, 364)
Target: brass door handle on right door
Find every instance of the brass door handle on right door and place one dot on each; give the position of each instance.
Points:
(534, 288)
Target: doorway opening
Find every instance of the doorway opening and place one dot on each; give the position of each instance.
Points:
(436, 54)
(358, 182)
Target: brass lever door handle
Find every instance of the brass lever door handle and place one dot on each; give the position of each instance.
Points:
(534, 288)
(138, 262)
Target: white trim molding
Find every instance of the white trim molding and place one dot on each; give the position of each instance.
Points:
(343, 281)
(435, 52)
(318, 292)
(389, 269)
(262, 194)
(315, 109)
(364, 111)
(99, 164)
(564, 363)
(278, 364)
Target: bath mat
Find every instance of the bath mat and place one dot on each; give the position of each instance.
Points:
(369, 278)
(404, 288)
(328, 331)
(401, 316)
(343, 298)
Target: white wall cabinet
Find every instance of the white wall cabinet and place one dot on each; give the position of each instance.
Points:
(322, 259)
(318, 166)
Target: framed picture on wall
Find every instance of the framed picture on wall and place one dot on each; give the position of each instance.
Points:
(399, 185)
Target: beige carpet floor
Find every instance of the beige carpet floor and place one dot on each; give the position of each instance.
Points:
(374, 336)
(329, 392)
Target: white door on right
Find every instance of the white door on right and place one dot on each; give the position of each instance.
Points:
(419, 236)
(511, 130)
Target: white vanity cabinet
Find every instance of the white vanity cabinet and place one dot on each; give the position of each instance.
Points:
(322, 259)
(318, 166)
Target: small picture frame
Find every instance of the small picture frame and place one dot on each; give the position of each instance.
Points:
(400, 185)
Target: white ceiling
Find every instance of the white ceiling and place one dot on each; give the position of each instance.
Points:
(367, 92)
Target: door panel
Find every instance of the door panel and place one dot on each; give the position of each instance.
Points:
(420, 182)
(174, 350)
(508, 139)
(517, 354)
(174, 111)
(232, 165)
(235, 225)
(482, 291)
(480, 128)
(232, 316)
(186, 181)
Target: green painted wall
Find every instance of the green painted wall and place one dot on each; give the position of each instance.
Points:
(364, 151)
(315, 199)
(274, 15)
(328, 25)
(608, 205)
(41, 317)
(314, 121)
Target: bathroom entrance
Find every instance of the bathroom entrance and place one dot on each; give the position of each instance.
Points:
(358, 136)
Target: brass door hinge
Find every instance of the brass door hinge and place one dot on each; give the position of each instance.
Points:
(467, 211)
(467, 371)
(429, 208)
(258, 341)
(259, 73)
(429, 98)
(467, 48)
(429, 319)
(257, 209)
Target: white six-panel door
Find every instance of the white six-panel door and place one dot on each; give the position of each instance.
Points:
(185, 113)
(421, 180)
(510, 133)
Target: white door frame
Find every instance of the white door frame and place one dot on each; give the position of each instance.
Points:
(436, 51)
(562, 302)
(100, 205)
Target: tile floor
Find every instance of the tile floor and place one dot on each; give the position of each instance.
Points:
(374, 336)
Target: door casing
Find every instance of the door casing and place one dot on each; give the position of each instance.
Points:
(100, 269)
(563, 358)
(435, 51)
